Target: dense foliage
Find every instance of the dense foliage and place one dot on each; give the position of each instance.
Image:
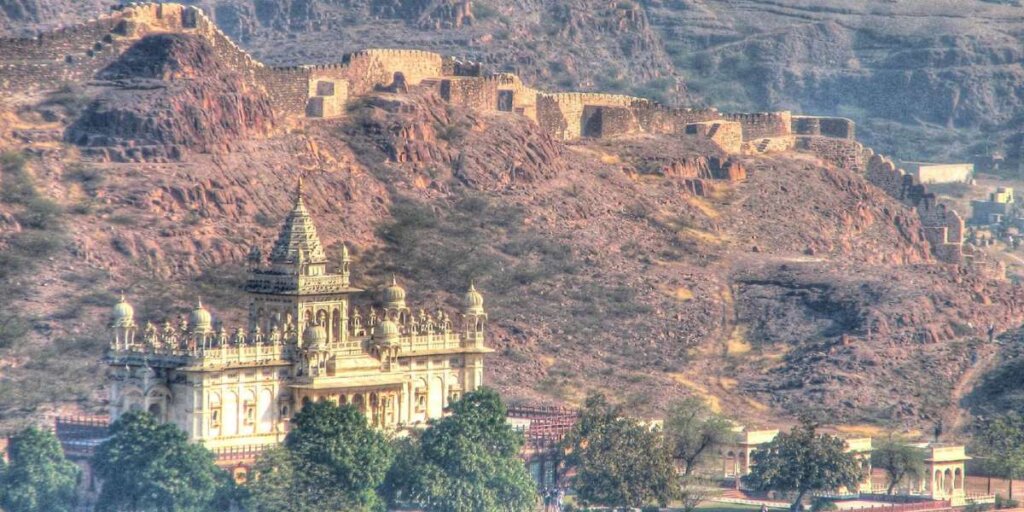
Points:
(466, 462)
(331, 460)
(802, 461)
(618, 461)
(38, 477)
(149, 466)
(999, 443)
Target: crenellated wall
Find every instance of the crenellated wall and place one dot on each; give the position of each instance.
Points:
(832, 127)
(944, 228)
(371, 69)
(763, 125)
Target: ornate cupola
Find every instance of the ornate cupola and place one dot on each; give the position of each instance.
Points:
(200, 321)
(124, 313)
(474, 315)
(123, 323)
(474, 302)
(394, 297)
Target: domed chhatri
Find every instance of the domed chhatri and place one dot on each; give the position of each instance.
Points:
(386, 331)
(394, 295)
(314, 336)
(124, 313)
(200, 321)
(304, 341)
(474, 302)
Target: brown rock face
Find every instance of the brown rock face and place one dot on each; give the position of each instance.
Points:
(167, 93)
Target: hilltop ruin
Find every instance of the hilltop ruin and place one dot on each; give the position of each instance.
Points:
(322, 92)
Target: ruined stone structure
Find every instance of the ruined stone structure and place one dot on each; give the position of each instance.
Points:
(321, 92)
(995, 210)
(234, 390)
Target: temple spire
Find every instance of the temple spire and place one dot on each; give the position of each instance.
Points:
(298, 235)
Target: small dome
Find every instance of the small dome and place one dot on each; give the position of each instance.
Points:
(124, 313)
(200, 320)
(394, 295)
(314, 336)
(386, 330)
(474, 301)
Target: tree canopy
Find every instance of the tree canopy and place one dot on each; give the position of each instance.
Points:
(331, 460)
(466, 462)
(619, 461)
(802, 461)
(149, 466)
(899, 461)
(693, 431)
(38, 477)
(999, 441)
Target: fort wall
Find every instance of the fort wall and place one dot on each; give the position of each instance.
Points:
(843, 153)
(372, 69)
(833, 127)
(763, 125)
(476, 93)
(943, 226)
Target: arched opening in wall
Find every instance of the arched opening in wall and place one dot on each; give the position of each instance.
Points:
(593, 123)
(947, 480)
(336, 325)
(398, 83)
(132, 401)
(937, 484)
(958, 479)
(506, 99)
(157, 411)
(435, 399)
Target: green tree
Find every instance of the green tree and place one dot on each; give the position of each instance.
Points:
(38, 478)
(404, 478)
(466, 462)
(148, 466)
(619, 462)
(692, 431)
(338, 459)
(802, 461)
(899, 461)
(999, 441)
(272, 486)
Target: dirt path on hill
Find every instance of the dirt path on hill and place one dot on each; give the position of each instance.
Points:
(956, 417)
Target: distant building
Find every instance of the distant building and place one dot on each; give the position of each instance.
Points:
(234, 390)
(940, 173)
(995, 210)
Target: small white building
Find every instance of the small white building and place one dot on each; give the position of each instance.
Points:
(940, 173)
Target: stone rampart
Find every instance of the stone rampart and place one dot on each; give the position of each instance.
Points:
(727, 135)
(375, 68)
(843, 153)
(763, 125)
(561, 114)
(832, 127)
(514, 96)
(943, 226)
(476, 93)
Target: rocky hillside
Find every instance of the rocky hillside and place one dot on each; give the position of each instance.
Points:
(924, 80)
(649, 267)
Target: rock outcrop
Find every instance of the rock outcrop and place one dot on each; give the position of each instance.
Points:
(167, 93)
